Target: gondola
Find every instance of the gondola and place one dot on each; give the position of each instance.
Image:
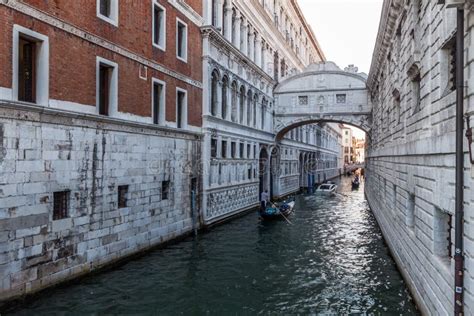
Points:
(355, 184)
(281, 211)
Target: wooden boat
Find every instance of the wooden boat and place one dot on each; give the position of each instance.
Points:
(355, 184)
(278, 212)
(327, 189)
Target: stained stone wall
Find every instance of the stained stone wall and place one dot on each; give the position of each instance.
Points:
(45, 151)
(411, 158)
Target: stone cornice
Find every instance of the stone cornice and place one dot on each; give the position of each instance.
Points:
(37, 113)
(387, 28)
(218, 38)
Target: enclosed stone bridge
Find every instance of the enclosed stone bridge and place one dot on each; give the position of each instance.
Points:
(322, 93)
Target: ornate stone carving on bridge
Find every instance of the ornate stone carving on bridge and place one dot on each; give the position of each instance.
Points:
(341, 96)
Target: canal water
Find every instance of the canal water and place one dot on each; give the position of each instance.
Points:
(331, 260)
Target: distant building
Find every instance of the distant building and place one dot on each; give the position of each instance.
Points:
(359, 150)
(347, 145)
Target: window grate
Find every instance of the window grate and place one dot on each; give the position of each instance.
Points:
(61, 204)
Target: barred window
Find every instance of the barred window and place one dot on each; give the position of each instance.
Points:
(60, 205)
(340, 98)
(303, 100)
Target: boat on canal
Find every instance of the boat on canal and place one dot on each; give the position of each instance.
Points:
(280, 211)
(327, 189)
(355, 183)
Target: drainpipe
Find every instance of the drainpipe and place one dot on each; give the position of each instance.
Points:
(459, 212)
(459, 198)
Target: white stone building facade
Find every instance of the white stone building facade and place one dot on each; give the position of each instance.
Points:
(248, 47)
(411, 155)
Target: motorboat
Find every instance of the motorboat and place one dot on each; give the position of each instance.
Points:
(280, 211)
(327, 189)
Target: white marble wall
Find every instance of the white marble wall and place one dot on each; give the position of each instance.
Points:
(411, 158)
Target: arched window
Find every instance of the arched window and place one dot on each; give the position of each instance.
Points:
(264, 110)
(214, 84)
(249, 108)
(242, 103)
(225, 87)
(233, 114)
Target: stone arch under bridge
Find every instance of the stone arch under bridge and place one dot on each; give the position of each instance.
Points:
(323, 93)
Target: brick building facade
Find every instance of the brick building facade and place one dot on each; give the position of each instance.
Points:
(100, 116)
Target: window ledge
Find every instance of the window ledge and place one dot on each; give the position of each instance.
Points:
(108, 20)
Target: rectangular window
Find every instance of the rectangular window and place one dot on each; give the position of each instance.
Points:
(30, 82)
(105, 7)
(213, 148)
(248, 150)
(122, 196)
(60, 205)
(27, 70)
(158, 101)
(442, 232)
(303, 100)
(224, 149)
(416, 93)
(410, 215)
(249, 173)
(104, 88)
(107, 10)
(232, 149)
(182, 40)
(159, 26)
(241, 150)
(165, 189)
(340, 98)
(181, 109)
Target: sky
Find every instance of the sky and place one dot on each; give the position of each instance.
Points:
(345, 29)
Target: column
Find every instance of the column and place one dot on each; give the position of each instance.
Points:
(237, 30)
(264, 51)
(245, 33)
(220, 14)
(237, 115)
(219, 99)
(277, 67)
(229, 101)
(208, 11)
(252, 45)
(258, 49)
(228, 20)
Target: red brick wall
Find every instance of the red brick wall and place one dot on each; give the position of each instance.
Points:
(73, 60)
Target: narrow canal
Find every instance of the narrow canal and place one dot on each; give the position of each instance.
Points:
(331, 260)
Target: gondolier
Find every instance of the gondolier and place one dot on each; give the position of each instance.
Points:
(263, 200)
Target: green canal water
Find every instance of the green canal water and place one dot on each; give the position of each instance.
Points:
(332, 261)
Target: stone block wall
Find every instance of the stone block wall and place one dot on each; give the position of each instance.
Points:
(45, 151)
(411, 158)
